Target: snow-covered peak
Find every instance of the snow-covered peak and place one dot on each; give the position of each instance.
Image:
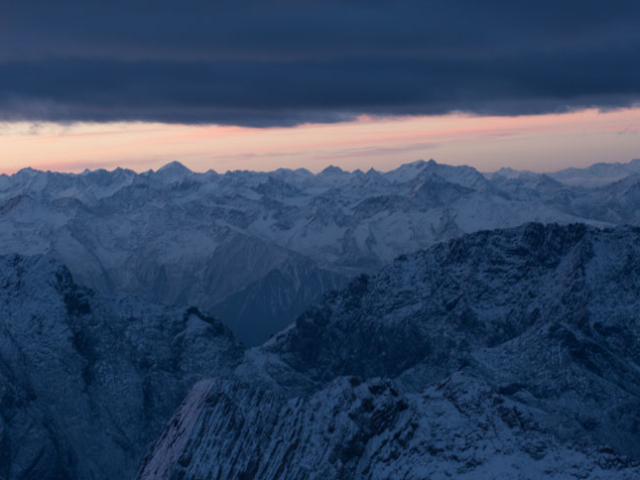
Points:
(510, 173)
(408, 171)
(598, 174)
(173, 172)
(174, 167)
(27, 172)
(460, 175)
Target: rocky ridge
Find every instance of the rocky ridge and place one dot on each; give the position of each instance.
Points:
(503, 354)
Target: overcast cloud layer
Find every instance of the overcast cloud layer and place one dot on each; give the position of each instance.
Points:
(290, 62)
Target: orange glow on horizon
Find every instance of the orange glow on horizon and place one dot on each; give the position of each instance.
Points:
(537, 142)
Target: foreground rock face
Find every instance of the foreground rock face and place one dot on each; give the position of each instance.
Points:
(86, 382)
(505, 354)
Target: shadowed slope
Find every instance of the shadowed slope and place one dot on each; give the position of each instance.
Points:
(500, 354)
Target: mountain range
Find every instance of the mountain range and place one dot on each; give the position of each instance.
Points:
(257, 248)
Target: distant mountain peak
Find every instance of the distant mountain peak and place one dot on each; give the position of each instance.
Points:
(174, 167)
(27, 171)
(420, 163)
(508, 172)
(332, 170)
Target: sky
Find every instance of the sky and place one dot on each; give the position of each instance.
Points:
(261, 85)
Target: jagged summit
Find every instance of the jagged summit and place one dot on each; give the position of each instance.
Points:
(420, 163)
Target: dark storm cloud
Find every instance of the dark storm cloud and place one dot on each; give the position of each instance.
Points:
(275, 63)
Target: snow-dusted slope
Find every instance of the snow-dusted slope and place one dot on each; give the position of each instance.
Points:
(86, 381)
(275, 241)
(509, 354)
(599, 174)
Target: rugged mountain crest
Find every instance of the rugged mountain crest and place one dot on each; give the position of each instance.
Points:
(501, 354)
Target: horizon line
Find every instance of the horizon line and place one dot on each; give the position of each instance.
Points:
(179, 164)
